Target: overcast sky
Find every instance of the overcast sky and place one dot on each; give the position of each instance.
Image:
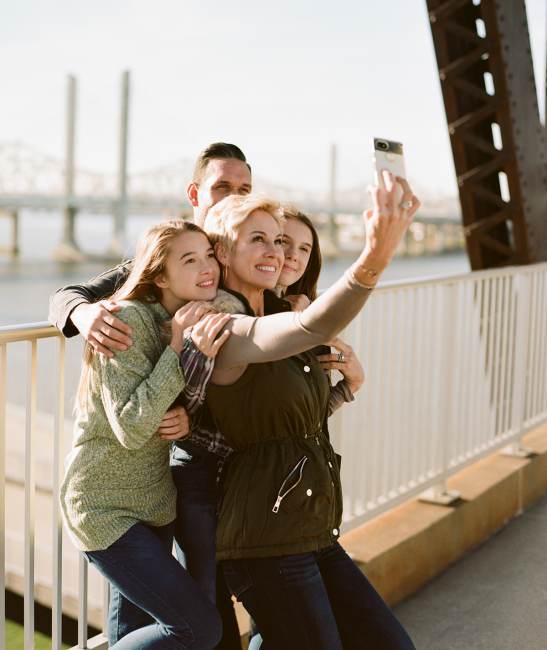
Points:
(282, 79)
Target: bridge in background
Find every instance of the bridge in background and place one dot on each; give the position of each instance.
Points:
(33, 181)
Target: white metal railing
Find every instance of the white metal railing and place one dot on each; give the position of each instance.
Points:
(455, 369)
(30, 334)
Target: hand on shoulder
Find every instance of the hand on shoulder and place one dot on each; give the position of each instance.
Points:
(105, 332)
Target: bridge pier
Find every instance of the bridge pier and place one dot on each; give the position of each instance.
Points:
(117, 249)
(67, 249)
(12, 249)
(118, 244)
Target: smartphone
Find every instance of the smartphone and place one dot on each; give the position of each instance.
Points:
(388, 155)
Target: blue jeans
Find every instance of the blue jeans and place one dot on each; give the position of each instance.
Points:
(314, 601)
(156, 602)
(194, 472)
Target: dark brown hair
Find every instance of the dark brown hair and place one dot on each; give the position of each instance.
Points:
(216, 151)
(307, 284)
(150, 259)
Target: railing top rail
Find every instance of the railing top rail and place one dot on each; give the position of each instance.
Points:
(27, 332)
(461, 277)
(43, 329)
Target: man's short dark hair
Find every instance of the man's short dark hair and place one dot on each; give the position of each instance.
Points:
(216, 151)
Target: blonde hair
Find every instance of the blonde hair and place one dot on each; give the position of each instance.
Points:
(224, 219)
(150, 258)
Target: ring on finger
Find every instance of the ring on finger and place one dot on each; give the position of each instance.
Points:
(405, 205)
(341, 358)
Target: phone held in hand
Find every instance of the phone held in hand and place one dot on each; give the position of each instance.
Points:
(388, 155)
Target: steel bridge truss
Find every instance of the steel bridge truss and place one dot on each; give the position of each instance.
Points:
(498, 142)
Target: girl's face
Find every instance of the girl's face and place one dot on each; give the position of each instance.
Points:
(298, 244)
(191, 270)
(256, 259)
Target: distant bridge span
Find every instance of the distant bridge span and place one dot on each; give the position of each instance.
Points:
(31, 180)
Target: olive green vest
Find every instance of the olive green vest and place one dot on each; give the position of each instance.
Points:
(281, 491)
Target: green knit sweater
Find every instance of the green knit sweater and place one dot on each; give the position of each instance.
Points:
(117, 473)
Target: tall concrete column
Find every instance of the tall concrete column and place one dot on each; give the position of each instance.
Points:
(118, 245)
(333, 228)
(68, 249)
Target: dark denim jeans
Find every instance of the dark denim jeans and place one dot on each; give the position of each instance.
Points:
(156, 604)
(314, 601)
(194, 472)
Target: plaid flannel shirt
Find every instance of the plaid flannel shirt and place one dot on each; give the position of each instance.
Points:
(197, 369)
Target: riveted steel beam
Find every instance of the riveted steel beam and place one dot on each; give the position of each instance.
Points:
(498, 142)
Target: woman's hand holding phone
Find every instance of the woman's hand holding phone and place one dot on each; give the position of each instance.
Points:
(394, 207)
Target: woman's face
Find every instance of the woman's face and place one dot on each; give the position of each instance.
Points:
(191, 270)
(297, 244)
(256, 258)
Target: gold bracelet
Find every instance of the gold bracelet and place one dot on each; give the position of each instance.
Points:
(373, 275)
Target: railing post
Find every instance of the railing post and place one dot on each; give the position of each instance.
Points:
(106, 604)
(522, 356)
(3, 399)
(82, 601)
(30, 495)
(57, 527)
(439, 493)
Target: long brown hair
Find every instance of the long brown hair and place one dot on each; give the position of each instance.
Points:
(307, 284)
(150, 259)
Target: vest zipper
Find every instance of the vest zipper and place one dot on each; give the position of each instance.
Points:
(297, 469)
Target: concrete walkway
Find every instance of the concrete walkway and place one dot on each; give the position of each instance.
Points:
(495, 598)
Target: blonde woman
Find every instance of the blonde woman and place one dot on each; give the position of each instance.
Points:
(279, 521)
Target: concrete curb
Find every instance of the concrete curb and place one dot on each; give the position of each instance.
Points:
(401, 550)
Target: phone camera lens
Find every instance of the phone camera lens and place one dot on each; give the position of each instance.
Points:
(383, 145)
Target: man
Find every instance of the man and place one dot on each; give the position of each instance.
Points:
(220, 170)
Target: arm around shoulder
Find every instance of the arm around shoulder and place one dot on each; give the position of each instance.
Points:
(139, 384)
(65, 300)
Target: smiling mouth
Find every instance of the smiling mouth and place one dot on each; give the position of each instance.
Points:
(289, 268)
(205, 284)
(266, 269)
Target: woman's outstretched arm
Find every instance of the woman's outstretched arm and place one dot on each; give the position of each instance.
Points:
(136, 389)
(269, 338)
(258, 340)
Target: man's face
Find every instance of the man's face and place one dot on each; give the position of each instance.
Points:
(222, 177)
